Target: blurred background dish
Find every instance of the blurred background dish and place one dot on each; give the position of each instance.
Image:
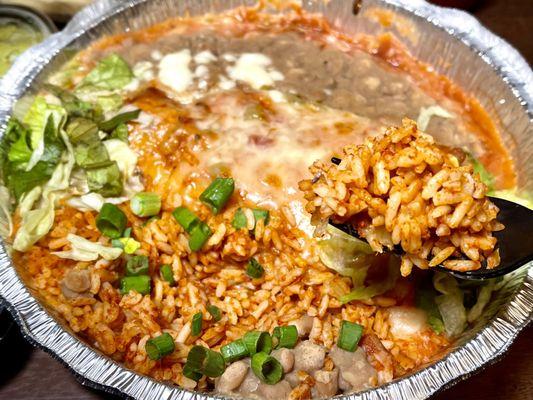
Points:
(20, 28)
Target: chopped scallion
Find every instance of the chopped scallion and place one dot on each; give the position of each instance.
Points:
(234, 351)
(285, 336)
(239, 219)
(218, 193)
(196, 324)
(349, 336)
(159, 346)
(137, 265)
(110, 124)
(199, 234)
(145, 204)
(205, 361)
(167, 274)
(189, 373)
(259, 213)
(111, 221)
(215, 312)
(256, 342)
(140, 284)
(267, 368)
(186, 218)
(254, 269)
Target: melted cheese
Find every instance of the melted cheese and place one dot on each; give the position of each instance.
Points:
(174, 71)
(254, 69)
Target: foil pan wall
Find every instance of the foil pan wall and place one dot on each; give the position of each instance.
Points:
(451, 41)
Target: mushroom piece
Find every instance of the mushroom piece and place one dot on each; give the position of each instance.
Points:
(309, 357)
(355, 372)
(326, 383)
(76, 283)
(285, 358)
(303, 325)
(232, 377)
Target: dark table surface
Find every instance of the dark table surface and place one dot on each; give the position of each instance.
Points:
(28, 373)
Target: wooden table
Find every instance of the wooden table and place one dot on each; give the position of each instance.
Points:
(28, 373)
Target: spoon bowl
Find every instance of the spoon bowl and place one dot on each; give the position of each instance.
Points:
(515, 242)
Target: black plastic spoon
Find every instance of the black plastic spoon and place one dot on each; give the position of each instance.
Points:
(515, 241)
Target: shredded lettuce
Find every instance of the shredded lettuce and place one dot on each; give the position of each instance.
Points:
(93, 201)
(426, 113)
(44, 121)
(483, 298)
(378, 287)
(6, 223)
(126, 160)
(111, 72)
(450, 304)
(37, 222)
(85, 250)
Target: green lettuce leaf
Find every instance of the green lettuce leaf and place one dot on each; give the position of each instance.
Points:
(19, 148)
(111, 72)
(105, 179)
(82, 130)
(6, 223)
(85, 250)
(74, 106)
(35, 224)
(91, 155)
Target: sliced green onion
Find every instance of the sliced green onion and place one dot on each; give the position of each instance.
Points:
(167, 274)
(257, 342)
(186, 218)
(206, 361)
(239, 220)
(127, 232)
(254, 269)
(111, 221)
(199, 234)
(140, 284)
(137, 265)
(234, 351)
(215, 312)
(267, 368)
(349, 336)
(218, 193)
(145, 204)
(129, 245)
(196, 325)
(159, 346)
(285, 336)
(110, 124)
(189, 373)
(259, 213)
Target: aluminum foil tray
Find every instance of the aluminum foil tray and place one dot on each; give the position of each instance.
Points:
(453, 42)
